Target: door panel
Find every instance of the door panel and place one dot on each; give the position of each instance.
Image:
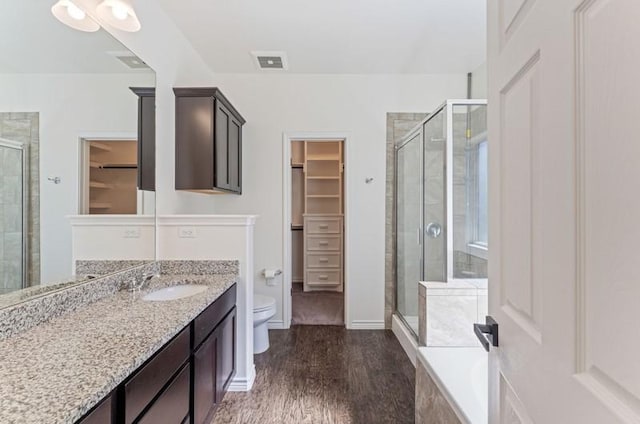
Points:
(608, 227)
(564, 163)
(222, 146)
(235, 155)
(408, 228)
(520, 292)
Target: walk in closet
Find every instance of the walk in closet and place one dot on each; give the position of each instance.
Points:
(317, 229)
(112, 171)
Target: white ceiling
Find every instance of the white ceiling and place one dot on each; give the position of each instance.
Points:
(337, 36)
(32, 40)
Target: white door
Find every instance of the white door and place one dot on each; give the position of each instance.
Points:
(564, 119)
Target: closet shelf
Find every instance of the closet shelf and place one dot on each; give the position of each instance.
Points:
(99, 205)
(323, 196)
(323, 157)
(297, 227)
(100, 146)
(98, 184)
(322, 178)
(98, 165)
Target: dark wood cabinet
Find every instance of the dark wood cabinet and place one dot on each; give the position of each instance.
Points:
(173, 404)
(214, 366)
(148, 381)
(185, 380)
(208, 142)
(146, 137)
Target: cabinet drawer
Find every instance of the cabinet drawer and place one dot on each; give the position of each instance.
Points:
(323, 243)
(324, 277)
(147, 382)
(173, 404)
(320, 260)
(210, 317)
(323, 226)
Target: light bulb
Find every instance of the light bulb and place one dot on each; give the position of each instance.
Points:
(75, 12)
(119, 11)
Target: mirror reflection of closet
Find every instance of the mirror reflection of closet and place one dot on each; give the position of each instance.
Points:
(111, 170)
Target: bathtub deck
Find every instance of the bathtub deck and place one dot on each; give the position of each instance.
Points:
(325, 374)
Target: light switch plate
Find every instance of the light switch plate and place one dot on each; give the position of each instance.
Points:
(132, 232)
(187, 232)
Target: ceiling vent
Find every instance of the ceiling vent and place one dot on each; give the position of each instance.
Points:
(130, 60)
(270, 60)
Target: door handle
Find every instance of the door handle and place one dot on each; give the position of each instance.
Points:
(487, 333)
(433, 230)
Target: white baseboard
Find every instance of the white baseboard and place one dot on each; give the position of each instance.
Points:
(276, 324)
(408, 343)
(366, 324)
(243, 384)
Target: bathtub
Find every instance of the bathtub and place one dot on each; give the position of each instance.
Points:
(460, 373)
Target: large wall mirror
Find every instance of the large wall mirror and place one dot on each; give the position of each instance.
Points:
(77, 154)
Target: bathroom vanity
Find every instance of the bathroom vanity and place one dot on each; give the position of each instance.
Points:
(199, 360)
(124, 359)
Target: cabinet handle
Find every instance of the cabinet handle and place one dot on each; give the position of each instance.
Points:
(323, 277)
(323, 260)
(324, 227)
(323, 243)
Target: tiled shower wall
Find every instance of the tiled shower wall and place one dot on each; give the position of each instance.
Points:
(22, 127)
(398, 126)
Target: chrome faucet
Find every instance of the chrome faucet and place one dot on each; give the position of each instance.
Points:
(138, 283)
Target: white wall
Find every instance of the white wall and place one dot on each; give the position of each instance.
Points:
(69, 105)
(357, 104)
(479, 82)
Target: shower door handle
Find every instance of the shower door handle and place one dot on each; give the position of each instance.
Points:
(433, 230)
(487, 333)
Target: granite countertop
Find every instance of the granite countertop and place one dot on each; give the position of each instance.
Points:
(57, 371)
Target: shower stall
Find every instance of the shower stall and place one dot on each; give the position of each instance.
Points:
(441, 202)
(13, 228)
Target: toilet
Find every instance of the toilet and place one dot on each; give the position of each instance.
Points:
(264, 308)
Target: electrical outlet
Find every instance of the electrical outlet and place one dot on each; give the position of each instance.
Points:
(132, 232)
(187, 232)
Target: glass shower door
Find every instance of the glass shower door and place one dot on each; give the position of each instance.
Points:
(11, 216)
(435, 197)
(409, 228)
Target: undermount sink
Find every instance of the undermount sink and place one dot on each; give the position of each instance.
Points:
(175, 292)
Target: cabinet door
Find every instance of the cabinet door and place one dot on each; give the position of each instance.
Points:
(194, 143)
(147, 143)
(204, 380)
(221, 148)
(235, 155)
(226, 355)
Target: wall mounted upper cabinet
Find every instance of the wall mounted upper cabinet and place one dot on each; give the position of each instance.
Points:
(146, 137)
(208, 142)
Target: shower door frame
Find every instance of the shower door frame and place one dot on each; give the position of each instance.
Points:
(417, 131)
(419, 128)
(24, 148)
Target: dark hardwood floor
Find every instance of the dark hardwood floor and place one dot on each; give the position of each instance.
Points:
(326, 375)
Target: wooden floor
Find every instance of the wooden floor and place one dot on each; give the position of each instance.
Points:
(325, 375)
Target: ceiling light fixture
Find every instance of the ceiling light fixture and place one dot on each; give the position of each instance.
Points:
(71, 15)
(118, 14)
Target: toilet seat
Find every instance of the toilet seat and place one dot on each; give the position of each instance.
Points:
(263, 303)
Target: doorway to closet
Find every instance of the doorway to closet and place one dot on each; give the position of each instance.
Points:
(317, 232)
